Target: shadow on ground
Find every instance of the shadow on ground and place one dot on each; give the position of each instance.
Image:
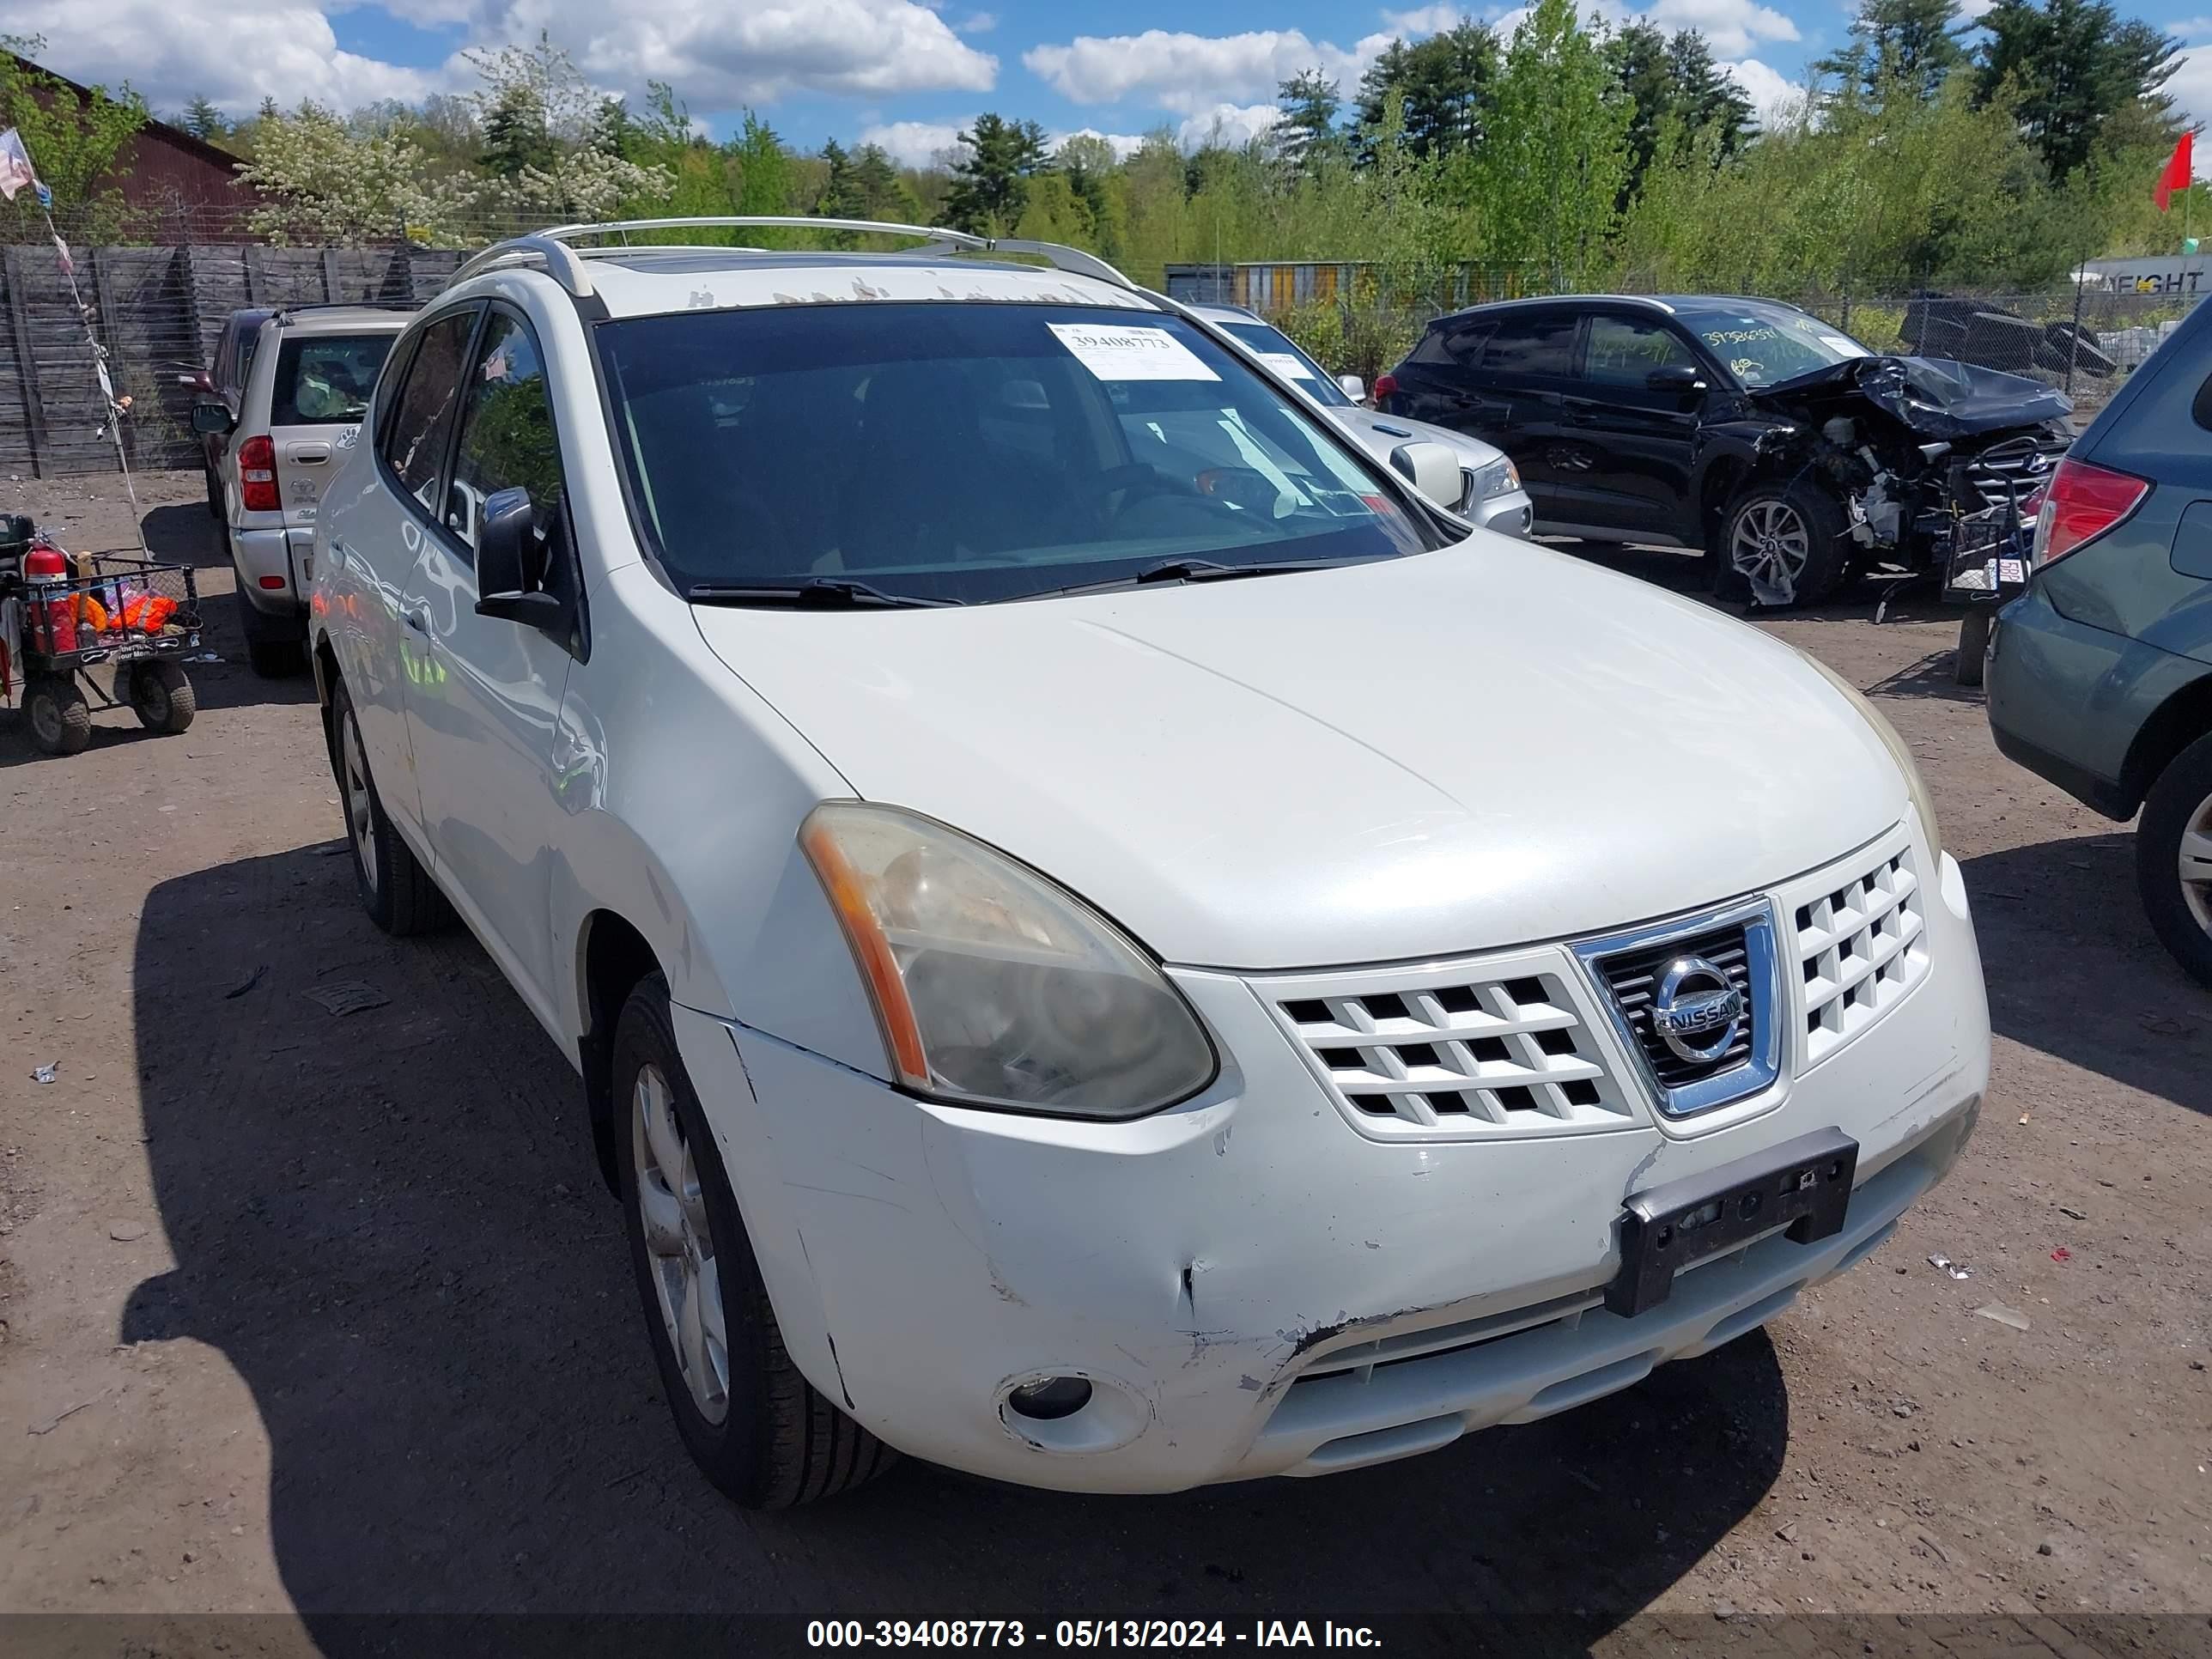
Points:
(391, 1224)
(2075, 970)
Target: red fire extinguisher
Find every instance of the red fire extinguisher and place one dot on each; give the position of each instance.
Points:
(55, 614)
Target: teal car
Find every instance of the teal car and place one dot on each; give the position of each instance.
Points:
(2101, 675)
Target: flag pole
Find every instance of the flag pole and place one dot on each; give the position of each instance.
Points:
(20, 169)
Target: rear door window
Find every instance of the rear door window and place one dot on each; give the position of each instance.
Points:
(413, 442)
(1540, 345)
(326, 380)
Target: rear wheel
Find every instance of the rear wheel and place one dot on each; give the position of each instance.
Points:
(161, 696)
(395, 889)
(2174, 858)
(1787, 540)
(61, 719)
(751, 1421)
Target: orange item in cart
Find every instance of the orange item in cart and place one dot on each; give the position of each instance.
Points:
(147, 612)
(91, 614)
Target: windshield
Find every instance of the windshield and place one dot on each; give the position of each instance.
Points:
(1763, 345)
(326, 379)
(1280, 353)
(972, 452)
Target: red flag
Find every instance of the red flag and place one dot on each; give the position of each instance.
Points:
(2177, 174)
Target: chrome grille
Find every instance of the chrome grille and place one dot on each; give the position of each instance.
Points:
(1501, 1046)
(1632, 976)
(1860, 945)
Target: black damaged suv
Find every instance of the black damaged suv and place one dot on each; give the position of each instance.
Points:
(1771, 439)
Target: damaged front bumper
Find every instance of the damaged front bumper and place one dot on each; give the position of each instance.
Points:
(1250, 1286)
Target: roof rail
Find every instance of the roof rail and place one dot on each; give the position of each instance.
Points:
(565, 264)
(280, 312)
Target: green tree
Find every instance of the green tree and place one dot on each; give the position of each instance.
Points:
(73, 144)
(516, 135)
(204, 121)
(1547, 178)
(1706, 94)
(1676, 80)
(1911, 46)
(881, 192)
(841, 190)
(1087, 162)
(2072, 66)
(990, 179)
(1444, 81)
(1306, 137)
(762, 167)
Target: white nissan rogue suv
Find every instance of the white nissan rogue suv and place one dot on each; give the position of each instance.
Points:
(1110, 943)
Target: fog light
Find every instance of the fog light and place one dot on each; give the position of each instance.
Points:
(1049, 1400)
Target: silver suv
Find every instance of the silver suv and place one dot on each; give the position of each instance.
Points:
(306, 387)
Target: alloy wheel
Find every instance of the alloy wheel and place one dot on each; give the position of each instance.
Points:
(1770, 545)
(678, 1237)
(2195, 864)
(360, 805)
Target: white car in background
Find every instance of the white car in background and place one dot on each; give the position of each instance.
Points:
(1492, 496)
(306, 383)
(1109, 942)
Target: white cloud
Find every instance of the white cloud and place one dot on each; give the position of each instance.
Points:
(719, 54)
(1124, 144)
(1192, 73)
(916, 144)
(1425, 20)
(1730, 27)
(1230, 124)
(172, 50)
(1775, 97)
(1972, 10)
(2191, 88)
(2190, 28)
(722, 55)
(982, 22)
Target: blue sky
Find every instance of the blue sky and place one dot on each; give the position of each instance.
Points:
(906, 73)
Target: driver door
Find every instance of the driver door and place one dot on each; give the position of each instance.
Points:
(483, 721)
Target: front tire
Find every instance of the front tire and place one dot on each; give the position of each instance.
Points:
(395, 889)
(751, 1421)
(2174, 858)
(1788, 541)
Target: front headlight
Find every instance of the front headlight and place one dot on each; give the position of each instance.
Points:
(993, 987)
(1923, 804)
(1499, 479)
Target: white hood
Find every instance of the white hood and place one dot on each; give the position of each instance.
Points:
(1483, 746)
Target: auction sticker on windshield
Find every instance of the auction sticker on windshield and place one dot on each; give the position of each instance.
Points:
(1288, 364)
(1131, 353)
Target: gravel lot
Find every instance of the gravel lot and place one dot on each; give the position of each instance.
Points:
(320, 1316)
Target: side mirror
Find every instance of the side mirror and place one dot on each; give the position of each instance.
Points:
(1675, 377)
(1353, 387)
(1433, 470)
(211, 419)
(509, 584)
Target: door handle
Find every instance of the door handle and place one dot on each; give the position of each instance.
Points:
(416, 617)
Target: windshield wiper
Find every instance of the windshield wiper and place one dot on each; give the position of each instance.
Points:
(817, 592)
(1196, 570)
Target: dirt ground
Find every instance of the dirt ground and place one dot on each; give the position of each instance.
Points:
(330, 1318)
